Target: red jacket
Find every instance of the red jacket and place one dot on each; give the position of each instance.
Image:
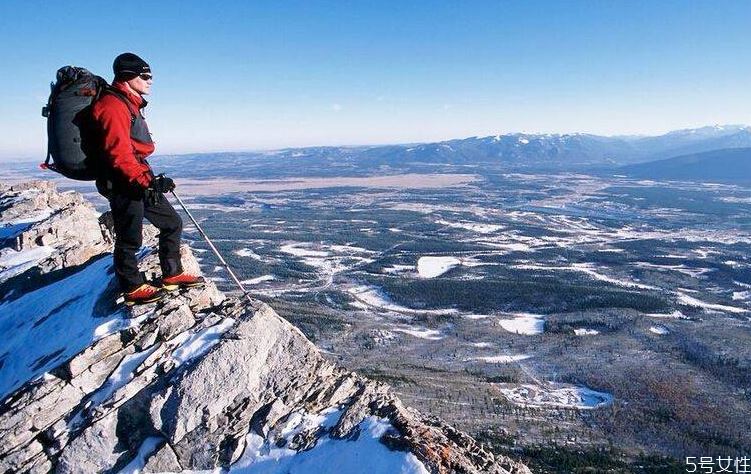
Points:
(125, 156)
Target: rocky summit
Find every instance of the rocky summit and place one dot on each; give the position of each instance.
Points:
(196, 382)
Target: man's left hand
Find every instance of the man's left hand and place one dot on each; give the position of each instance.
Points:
(163, 184)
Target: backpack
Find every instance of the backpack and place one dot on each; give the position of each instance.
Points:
(71, 135)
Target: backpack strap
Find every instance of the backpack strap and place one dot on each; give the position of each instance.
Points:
(46, 114)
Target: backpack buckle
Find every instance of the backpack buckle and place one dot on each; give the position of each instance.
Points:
(45, 111)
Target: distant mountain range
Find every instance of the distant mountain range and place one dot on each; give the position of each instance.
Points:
(545, 149)
(578, 151)
(730, 164)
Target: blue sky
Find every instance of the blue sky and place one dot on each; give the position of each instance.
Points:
(240, 75)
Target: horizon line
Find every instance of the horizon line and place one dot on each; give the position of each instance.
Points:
(739, 126)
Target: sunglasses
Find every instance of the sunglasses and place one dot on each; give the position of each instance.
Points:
(146, 77)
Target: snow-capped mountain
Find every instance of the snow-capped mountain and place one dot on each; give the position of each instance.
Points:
(513, 151)
(198, 382)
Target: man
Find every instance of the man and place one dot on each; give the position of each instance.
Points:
(133, 191)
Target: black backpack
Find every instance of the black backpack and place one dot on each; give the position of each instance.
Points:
(69, 123)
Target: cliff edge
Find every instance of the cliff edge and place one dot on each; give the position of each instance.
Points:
(196, 382)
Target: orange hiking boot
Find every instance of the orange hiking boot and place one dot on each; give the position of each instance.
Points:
(181, 280)
(143, 294)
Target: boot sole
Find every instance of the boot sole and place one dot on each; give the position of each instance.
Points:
(150, 300)
(177, 287)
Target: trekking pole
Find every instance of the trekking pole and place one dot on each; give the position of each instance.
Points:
(216, 252)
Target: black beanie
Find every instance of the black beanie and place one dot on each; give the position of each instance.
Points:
(128, 65)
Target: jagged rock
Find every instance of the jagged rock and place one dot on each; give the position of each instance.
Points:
(71, 224)
(101, 349)
(94, 450)
(163, 460)
(207, 380)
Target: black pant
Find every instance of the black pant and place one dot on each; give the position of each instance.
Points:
(128, 213)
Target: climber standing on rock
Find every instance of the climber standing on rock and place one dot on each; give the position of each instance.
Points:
(125, 178)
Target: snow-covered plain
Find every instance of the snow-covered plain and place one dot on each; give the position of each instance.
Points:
(431, 267)
(691, 301)
(586, 332)
(479, 227)
(524, 323)
(246, 252)
(257, 280)
(673, 315)
(374, 298)
(555, 395)
(500, 359)
(659, 330)
(419, 332)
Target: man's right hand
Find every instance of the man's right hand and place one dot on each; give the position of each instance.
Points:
(162, 184)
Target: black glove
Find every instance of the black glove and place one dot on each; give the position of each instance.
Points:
(162, 184)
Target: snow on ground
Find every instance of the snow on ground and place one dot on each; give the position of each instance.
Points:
(741, 295)
(693, 272)
(51, 324)
(299, 250)
(507, 246)
(480, 228)
(704, 252)
(358, 304)
(257, 280)
(13, 227)
(120, 376)
(524, 323)
(197, 344)
(674, 315)
(499, 359)
(589, 270)
(350, 249)
(382, 336)
(329, 259)
(691, 301)
(431, 267)
(481, 345)
(13, 263)
(586, 332)
(375, 298)
(214, 207)
(246, 252)
(475, 316)
(555, 395)
(660, 330)
(398, 269)
(148, 447)
(420, 332)
(329, 455)
(611, 250)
